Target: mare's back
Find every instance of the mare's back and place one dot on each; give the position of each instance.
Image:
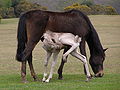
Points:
(69, 22)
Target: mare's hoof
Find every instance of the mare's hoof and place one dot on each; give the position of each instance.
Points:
(60, 78)
(36, 80)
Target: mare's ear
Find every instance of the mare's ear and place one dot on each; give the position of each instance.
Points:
(105, 49)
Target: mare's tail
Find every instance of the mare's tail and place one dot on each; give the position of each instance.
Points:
(21, 37)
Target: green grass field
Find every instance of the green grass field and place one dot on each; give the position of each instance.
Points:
(108, 28)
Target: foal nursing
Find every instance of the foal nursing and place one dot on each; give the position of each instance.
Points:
(53, 43)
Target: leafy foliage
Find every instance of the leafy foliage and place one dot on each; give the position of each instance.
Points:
(59, 5)
(110, 10)
(24, 6)
(7, 12)
(105, 10)
(13, 8)
(5, 3)
(83, 8)
(93, 9)
(16, 7)
(88, 2)
(14, 3)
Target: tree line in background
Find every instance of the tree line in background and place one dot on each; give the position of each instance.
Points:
(92, 9)
(13, 8)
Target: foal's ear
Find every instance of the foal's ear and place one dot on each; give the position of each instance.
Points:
(42, 38)
(105, 49)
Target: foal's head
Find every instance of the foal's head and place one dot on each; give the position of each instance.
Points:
(96, 62)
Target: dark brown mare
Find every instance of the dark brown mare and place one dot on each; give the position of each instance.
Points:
(34, 23)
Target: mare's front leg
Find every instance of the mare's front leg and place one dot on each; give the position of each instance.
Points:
(60, 70)
(55, 55)
(23, 72)
(48, 55)
(33, 74)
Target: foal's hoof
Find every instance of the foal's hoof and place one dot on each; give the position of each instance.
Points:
(43, 80)
(88, 78)
(47, 81)
(36, 79)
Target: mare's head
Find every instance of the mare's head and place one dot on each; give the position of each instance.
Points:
(96, 62)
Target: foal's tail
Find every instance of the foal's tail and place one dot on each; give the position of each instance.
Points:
(21, 37)
(77, 39)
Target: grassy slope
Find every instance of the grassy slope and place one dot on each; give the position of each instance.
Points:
(108, 28)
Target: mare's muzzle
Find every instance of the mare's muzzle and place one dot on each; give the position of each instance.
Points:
(99, 74)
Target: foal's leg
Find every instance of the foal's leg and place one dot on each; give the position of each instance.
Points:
(23, 72)
(48, 55)
(74, 46)
(60, 70)
(83, 59)
(55, 55)
(31, 68)
(70, 42)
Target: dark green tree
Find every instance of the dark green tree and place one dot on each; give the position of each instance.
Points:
(5, 3)
(14, 2)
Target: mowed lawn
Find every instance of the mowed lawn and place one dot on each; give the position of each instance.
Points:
(108, 28)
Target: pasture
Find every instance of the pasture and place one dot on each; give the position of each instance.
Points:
(108, 28)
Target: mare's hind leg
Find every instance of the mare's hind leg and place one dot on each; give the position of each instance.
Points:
(23, 72)
(28, 50)
(60, 70)
(33, 74)
(35, 29)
